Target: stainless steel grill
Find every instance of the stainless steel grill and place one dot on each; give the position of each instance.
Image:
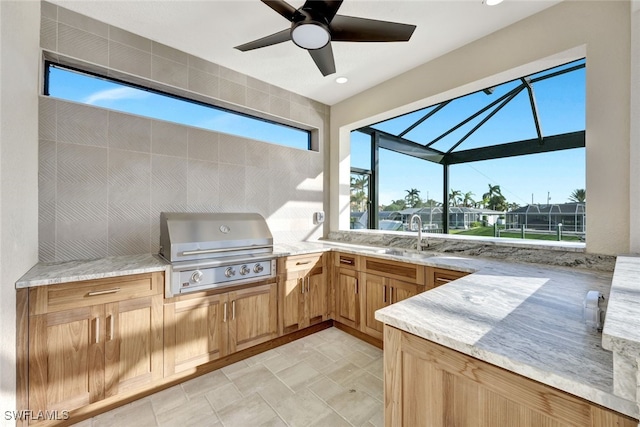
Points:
(209, 250)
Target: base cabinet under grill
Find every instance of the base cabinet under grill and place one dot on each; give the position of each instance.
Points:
(203, 326)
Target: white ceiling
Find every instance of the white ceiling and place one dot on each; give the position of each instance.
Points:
(210, 29)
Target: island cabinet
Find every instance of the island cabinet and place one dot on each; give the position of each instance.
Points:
(206, 326)
(386, 282)
(346, 289)
(303, 291)
(426, 384)
(92, 340)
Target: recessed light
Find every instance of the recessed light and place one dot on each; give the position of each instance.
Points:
(492, 2)
(342, 80)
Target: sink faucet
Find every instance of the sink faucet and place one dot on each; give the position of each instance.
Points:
(419, 246)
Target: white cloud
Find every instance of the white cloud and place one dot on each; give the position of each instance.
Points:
(115, 94)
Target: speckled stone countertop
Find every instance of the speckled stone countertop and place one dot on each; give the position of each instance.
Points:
(51, 273)
(621, 332)
(523, 318)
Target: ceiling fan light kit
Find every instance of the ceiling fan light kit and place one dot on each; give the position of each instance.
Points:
(315, 25)
(310, 35)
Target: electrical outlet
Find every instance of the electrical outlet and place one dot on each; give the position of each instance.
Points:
(318, 217)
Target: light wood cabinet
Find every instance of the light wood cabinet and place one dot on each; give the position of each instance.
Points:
(303, 292)
(110, 343)
(426, 384)
(380, 292)
(441, 276)
(195, 331)
(205, 326)
(386, 282)
(347, 289)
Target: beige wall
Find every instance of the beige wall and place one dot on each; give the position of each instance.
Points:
(19, 60)
(566, 31)
(634, 179)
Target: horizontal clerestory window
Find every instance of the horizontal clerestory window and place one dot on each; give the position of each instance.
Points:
(76, 85)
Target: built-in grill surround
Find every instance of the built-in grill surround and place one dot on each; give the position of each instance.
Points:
(212, 250)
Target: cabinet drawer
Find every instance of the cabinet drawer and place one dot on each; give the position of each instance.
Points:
(440, 276)
(48, 299)
(348, 261)
(300, 263)
(397, 270)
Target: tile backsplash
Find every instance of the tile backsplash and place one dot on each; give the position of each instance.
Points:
(105, 176)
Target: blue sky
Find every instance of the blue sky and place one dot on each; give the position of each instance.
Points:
(80, 88)
(561, 106)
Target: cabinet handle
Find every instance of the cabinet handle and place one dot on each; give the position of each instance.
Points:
(97, 331)
(356, 287)
(301, 283)
(224, 313)
(111, 326)
(346, 261)
(233, 310)
(391, 295)
(303, 262)
(308, 284)
(384, 293)
(106, 291)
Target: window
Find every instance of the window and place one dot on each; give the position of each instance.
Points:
(78, 86)
(490, 163)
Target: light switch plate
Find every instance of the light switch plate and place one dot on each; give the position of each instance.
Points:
(318, 217)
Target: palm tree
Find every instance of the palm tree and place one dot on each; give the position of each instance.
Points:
(493, 199)
(579, 195)
(454, 197)
(413, 197)
(359, 191)
(467, 201)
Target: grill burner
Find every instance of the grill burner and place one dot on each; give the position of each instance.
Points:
(209, 250)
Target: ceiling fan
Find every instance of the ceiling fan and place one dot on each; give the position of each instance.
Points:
(315, 25)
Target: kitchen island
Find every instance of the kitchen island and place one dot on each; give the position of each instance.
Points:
(525, 319)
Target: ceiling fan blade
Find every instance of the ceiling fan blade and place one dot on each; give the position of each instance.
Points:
(352, 29)
(282, 7)
(279, 37)
(327, 8)
(324, 59)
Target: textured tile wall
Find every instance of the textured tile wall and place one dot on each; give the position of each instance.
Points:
(105, 176)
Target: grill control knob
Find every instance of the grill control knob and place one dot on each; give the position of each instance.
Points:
(258, 268)
(244, 270)
(196, 276)
(230, 272)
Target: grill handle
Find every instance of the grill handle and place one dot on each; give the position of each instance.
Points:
(215, 251)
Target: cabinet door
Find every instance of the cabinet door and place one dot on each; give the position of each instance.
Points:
(292, 302)
(400, 290)
(316, 296)
(376, 295)
(133, 344)
(347, 298)
(66, 359)
(254, 316)
(195, 332)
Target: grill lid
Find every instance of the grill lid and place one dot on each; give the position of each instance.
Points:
(201, 236)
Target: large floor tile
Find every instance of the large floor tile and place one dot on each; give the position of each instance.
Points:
(326, 379)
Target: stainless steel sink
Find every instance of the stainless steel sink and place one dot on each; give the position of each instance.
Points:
(402, 252)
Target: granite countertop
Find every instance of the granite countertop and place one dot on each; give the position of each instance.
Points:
(51, 273)
(526, 318)
(523, 318)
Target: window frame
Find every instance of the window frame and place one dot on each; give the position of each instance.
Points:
(48, 63)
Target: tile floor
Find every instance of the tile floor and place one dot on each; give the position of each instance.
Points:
(326, 379)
